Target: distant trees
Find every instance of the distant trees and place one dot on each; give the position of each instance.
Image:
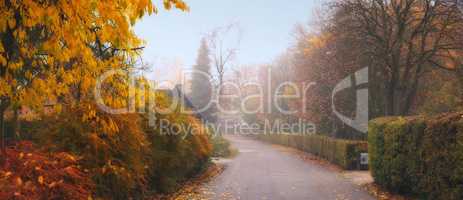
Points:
(223, 48)
(201, 84)
(325, 58)
(453, 58)
(275, 79)
(404, 43)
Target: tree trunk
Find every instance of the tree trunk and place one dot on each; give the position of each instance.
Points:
(390, 93)
(409, 98)
(16, 124)
(459, 73)
(2, 137)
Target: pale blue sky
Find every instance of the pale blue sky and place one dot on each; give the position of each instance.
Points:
(267, 26)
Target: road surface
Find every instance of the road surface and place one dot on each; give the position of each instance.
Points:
(260, 171)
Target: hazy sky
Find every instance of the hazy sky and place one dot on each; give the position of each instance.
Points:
(173, 37)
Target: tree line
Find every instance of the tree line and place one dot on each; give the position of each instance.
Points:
(412, 49)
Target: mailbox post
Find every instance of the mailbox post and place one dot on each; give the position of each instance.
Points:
(363, 160)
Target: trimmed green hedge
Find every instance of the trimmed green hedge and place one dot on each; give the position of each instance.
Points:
(344, 153)
(420, 156)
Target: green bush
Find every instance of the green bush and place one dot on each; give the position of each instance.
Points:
(420, 156)
(220, 147)
(344, 153)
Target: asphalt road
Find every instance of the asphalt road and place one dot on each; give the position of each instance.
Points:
(262, 171)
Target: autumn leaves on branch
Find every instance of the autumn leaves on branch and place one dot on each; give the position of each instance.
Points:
(52, 51)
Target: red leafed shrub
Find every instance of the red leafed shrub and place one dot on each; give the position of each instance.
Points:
(31, 174)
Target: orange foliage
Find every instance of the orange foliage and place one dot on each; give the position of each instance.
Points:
(32, 174)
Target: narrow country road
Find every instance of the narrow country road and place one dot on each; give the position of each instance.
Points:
(261, 171)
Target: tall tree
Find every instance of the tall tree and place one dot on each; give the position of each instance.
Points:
(407, 37)
(224, 46)
(201, 84)
(52, 48)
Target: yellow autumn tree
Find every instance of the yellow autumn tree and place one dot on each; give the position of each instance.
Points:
(52, 51)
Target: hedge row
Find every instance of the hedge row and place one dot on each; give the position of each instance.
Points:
(344, 153)
(420, 156)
